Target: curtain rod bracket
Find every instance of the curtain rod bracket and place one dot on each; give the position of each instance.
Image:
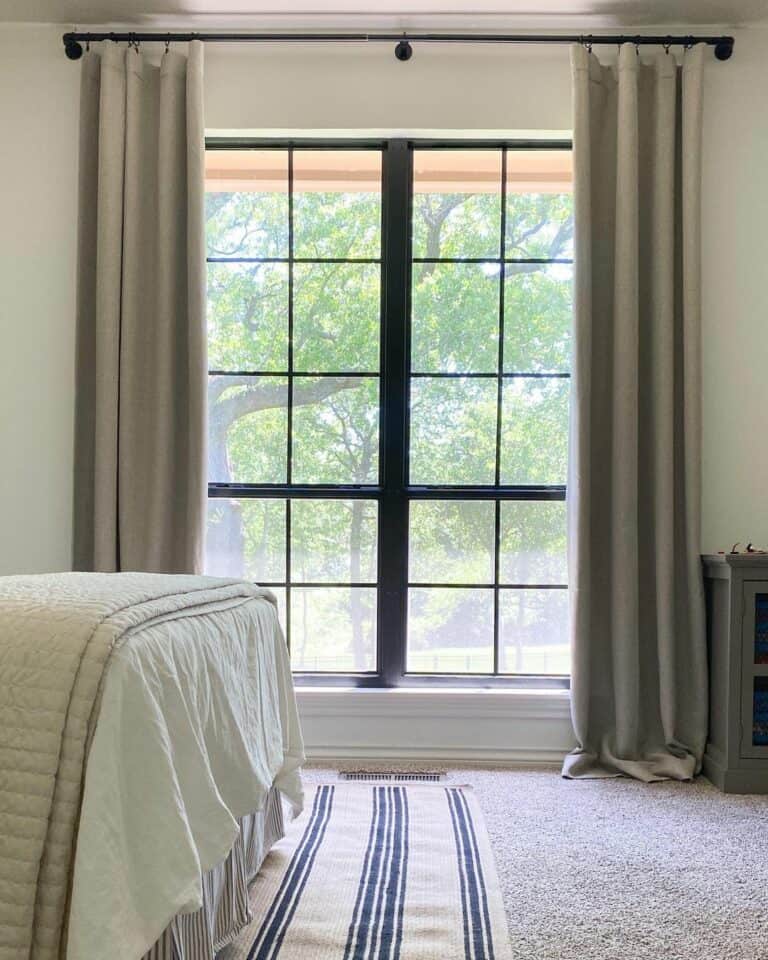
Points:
(403, 51)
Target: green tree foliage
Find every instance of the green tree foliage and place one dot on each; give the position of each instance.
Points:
(248, 316)
(335, 439)
(336, 317)
(458, 290)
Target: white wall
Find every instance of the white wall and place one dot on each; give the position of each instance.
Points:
(364, 87)
(335, 89)
(38, 170)
(735, 289)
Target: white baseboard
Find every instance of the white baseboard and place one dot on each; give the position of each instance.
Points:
(480, 726)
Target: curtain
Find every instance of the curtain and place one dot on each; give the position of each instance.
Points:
(141, 350)
(639, 696)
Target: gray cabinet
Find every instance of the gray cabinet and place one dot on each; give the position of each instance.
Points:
(736, 758)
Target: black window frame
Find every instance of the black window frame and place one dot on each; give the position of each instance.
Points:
(393, 493)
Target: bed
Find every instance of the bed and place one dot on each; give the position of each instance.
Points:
(148, 731)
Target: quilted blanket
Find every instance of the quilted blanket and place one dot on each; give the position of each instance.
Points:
(56, 635)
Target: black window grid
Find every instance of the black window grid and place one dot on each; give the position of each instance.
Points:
(390, 670)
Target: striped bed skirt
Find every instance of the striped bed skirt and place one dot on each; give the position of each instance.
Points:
(226, 908)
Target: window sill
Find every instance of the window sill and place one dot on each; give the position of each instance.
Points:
(433, 696)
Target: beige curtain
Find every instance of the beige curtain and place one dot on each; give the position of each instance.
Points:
(141, 356)
(639, 697)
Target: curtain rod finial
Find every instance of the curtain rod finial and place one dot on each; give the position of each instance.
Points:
(724, 49)
(72, 48)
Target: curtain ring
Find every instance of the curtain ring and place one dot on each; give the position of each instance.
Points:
(167, 45)
(87, 46)
(666, 48)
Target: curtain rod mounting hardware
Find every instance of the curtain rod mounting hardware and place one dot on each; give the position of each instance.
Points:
(403, 51)
(723, 45)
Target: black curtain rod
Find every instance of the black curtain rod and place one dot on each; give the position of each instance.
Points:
(73, 42)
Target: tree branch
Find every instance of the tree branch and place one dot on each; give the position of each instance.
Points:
(268, 396)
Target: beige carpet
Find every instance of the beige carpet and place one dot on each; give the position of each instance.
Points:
(618, 870)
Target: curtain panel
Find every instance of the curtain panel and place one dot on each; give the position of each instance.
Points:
(140, 460)
(639, 695)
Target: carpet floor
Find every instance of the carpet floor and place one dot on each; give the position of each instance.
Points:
(619, 870)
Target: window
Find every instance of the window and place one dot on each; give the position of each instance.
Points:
(389, 360)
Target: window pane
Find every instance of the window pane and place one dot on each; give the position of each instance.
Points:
(539, 204)
(335, 430)
(246, 538)
(453, 431)
(450, 630)
(455, 318)
(333, 629)
(534, 632)
(247, 429)
(248, 316)
(537, 318)
(336, 317)
(456, 203)
(333, 540)
(451, 541)
(534, 431)
(337, 203)
(246, 203)
(539, 226)
(533, 542)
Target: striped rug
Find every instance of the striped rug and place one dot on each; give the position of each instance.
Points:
(379, 873)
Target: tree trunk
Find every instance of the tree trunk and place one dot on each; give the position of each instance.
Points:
(226, 539)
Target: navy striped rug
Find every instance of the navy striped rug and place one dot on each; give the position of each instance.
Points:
(379, 873)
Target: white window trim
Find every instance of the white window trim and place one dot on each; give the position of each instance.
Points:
(498, 725)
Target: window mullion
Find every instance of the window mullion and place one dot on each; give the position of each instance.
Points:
(393, 511)
(499, 408)
(289, 413)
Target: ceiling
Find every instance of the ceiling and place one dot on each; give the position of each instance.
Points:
(354, 14)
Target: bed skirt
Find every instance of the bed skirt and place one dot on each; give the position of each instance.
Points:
(226, 910)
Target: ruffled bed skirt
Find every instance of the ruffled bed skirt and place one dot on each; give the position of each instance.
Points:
(226, 910)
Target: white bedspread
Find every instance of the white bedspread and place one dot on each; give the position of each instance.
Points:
(197, 720)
